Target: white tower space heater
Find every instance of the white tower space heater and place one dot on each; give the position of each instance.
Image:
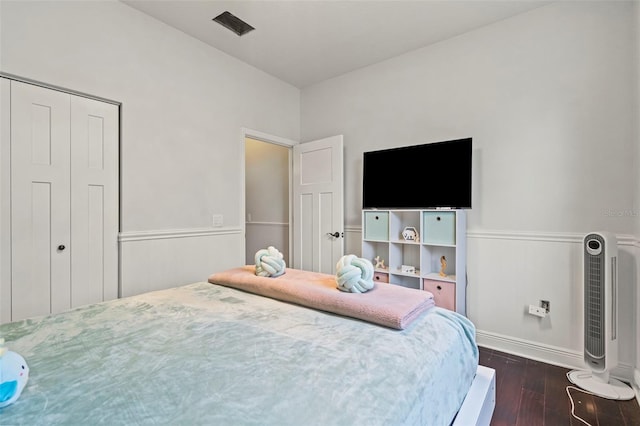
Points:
(600, 261)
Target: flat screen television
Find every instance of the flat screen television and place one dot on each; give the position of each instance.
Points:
(431, 175)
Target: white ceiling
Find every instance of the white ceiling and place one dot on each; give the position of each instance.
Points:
(304, 42)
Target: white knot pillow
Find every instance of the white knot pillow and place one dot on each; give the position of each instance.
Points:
(354, 274)
(269, 262)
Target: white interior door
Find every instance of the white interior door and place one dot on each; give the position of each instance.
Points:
(318, 211)
(40, 201)
(94, 201)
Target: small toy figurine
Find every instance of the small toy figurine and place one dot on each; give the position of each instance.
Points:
(379, 263)
(410, 234)
(14, 374)
(443, 266)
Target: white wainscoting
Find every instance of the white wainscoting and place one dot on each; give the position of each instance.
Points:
(156, 260)
(353, 240)
(509, 270)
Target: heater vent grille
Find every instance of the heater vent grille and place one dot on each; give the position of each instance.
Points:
(594, 296)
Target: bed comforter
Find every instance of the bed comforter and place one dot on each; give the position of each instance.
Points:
(204, 354)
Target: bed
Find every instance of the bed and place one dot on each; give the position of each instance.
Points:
(205, 353)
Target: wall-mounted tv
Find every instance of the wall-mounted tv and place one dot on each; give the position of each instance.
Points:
(423, 176)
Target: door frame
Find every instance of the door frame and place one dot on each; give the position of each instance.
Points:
(5, 201)
(275, 140)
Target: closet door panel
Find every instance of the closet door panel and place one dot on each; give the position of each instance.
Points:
(94, 201)
(40, 201)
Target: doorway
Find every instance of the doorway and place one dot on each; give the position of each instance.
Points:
(267, 187)
(305, 221)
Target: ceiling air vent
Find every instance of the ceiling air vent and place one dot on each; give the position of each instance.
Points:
(233, 23)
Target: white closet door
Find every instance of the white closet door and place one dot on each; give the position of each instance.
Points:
(94, 201)
(40, 201)
(64, 201)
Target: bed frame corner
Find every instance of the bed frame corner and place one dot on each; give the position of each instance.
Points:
(477, 407)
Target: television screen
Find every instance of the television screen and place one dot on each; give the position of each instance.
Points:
(418, 177)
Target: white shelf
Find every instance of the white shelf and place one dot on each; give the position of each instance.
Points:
(398, 271)
(436, 277)
(438, 245)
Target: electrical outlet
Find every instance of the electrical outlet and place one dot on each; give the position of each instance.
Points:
(546, 305)
(217, 220)
(537, 311)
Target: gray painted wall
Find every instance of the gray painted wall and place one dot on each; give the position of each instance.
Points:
(549, 98)
(183, 103)
(545, 96)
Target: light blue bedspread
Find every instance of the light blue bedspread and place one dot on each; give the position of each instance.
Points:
(204, 354)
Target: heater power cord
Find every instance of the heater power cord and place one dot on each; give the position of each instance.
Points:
(573, 407)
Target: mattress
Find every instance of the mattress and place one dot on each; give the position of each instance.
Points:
(208, 354)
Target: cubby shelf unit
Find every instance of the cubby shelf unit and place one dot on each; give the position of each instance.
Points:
(440, 233)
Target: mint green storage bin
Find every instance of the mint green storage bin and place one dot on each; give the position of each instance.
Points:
(439, 228)
(376, 226)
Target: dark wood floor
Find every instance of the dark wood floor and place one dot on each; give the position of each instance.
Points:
(531, 393)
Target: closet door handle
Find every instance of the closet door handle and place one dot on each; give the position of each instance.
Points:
(61, 247)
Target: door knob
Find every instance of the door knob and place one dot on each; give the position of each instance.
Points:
(61, 247)
(334, 235)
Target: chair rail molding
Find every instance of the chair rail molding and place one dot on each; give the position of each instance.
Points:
(275, 224)
(176, 233)
(160, 259)
(560, 237)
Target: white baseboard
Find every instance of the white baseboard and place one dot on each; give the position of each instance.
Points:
(636, 385)
(532, 350)
(547, 353)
